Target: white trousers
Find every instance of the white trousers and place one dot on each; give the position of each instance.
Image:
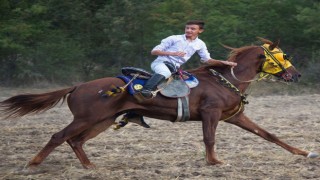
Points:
(160, 68)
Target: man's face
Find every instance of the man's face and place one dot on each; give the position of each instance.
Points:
(192, 31)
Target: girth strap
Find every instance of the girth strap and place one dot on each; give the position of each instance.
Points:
(183, 109)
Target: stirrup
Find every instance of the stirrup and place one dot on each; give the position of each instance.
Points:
(140, 97)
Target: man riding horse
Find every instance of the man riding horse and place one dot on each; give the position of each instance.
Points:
(176, 50)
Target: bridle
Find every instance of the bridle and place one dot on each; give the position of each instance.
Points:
(263, 75)
(284, 73)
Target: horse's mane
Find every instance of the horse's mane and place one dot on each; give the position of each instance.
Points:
(231, 57)
(234, 53)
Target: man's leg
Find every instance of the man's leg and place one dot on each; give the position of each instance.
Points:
(151, 85)
(162, 72)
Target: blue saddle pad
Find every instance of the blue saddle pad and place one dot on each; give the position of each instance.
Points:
(136, 84)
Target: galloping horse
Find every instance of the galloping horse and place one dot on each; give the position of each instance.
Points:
(210, 102)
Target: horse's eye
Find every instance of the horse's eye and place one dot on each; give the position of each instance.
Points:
(273, 64)
(286, 56)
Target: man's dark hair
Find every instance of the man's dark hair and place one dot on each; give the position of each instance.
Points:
(196, 22)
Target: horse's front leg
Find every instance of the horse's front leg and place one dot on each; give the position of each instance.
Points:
(245, 123)
(210, 119)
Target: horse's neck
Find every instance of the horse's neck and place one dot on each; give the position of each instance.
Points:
(242, 72)
(246, 70)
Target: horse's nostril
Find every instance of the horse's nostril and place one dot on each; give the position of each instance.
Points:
(299, 75)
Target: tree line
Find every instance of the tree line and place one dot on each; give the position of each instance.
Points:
(60, 41)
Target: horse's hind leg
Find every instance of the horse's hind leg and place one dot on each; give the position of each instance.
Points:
(57, 139)
(245, 123)
(77, 141)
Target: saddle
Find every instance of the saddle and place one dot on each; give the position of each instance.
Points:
(178, 85)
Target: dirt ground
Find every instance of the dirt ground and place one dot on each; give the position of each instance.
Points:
(170, 150)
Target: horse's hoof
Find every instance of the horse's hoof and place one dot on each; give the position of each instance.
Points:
(313, 155)
(137, 119)
(89, 166)
(33, 169)
(143, 123)
(214, 162)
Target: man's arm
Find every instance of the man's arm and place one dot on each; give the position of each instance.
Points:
(220, 62)
(204, 54)
(167, 53)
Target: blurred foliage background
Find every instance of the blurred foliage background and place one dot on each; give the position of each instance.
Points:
(65, 42)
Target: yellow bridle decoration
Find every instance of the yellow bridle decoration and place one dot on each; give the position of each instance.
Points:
(275, 61)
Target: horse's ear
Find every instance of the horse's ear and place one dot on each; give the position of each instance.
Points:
(273, 45)
(227, 47)
(264, 40)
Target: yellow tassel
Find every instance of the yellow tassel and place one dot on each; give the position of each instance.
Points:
(117, 126)
(115, 90)
(122, 89)
(109, 93)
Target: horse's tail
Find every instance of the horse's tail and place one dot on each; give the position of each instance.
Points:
(23, 104)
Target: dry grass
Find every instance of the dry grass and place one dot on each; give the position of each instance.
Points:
(170, 150)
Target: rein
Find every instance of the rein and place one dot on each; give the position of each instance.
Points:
(223, 81)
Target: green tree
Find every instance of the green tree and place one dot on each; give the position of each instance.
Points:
(309, 18)
(80, 40)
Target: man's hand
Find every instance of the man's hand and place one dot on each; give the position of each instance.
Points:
(178, 53)
(229, 63)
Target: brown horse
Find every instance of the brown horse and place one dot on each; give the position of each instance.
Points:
(209, 102)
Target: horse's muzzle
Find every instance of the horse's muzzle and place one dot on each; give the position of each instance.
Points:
(288, 77)
(295, 78)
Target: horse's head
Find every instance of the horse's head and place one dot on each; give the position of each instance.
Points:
(277, 62)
